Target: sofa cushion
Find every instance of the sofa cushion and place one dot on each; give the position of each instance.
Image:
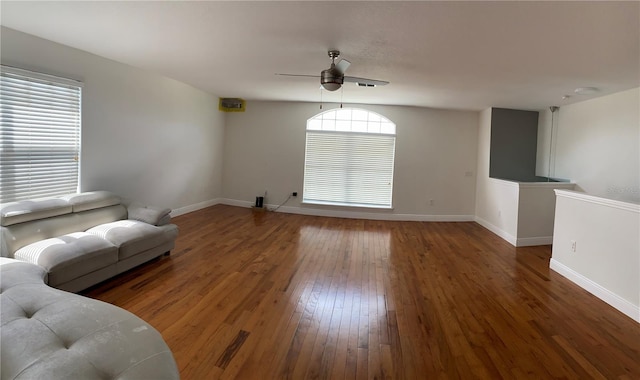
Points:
(131, 236)
(25, 211)
(16, 236)
(21, 273)
(151, 215)
(91, 200)
(69, 256)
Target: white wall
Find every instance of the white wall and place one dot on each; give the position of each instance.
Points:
(536, 212)
(596, 145)
(496, 201)
(606, 261)
(144, 136)
(265, 147)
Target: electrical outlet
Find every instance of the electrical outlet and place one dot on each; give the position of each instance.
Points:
(294, 194)
(573, 245)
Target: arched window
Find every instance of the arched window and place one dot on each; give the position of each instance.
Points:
(349, 159)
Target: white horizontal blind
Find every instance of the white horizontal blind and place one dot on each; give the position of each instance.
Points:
(39, 135)
(346, 167)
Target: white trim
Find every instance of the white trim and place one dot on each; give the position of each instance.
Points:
(496, 230)
(375, 215)
(513, 183)
(626, 206)
(553, 185)
(531, 241)
(621, 304)
(353, 214)
(235, 202)
(335, 132)
(42, 76)
(194, 207)
(340, 204)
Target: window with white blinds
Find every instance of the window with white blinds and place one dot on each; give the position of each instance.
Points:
(349, 159)
(39, 135)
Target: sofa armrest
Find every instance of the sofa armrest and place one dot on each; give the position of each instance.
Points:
(151, 215)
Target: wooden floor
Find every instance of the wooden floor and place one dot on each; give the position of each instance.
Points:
(280, 296)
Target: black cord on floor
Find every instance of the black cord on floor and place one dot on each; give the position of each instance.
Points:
(281, 204)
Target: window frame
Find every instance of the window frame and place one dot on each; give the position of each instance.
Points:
(386, 135)
(43, 114)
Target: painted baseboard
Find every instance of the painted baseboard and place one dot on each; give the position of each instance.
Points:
(194, 207)
(498, 231)
(521, 242)
(354, 214)
(235, 202)
(531, 241)
(514, 241)
(624, 306)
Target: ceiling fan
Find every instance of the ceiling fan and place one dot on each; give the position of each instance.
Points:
(332, 78)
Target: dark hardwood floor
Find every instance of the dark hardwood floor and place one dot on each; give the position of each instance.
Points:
(281, 296)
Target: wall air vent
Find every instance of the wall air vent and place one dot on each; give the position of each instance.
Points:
(231, 105)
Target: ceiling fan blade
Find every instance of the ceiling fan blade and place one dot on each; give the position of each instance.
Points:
(343, 65)
(299, 75)
(365, 82)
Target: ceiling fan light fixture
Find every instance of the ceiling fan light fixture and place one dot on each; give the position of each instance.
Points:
(331, 86)
(330, 79)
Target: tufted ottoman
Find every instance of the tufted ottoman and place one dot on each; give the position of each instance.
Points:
(48, 333)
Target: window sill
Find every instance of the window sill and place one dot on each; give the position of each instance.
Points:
(349, 205)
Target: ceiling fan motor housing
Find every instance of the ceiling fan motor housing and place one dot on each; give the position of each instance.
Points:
(331, 79)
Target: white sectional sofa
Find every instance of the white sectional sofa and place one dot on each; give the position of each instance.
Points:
(46, 333)
(83, 239)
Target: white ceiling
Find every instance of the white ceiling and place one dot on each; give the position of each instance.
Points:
(456, 55)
